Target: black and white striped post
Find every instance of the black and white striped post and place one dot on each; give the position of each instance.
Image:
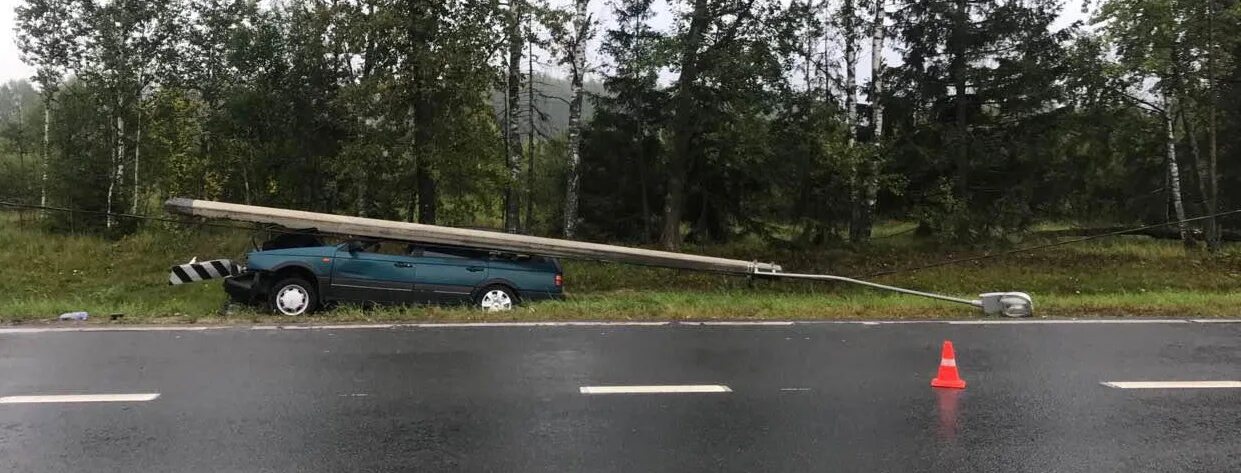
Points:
(195, 271)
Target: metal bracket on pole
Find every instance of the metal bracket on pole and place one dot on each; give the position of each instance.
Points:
(1010, 304)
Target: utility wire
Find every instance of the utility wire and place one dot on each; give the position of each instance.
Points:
(1044, 246)
(274, 229)
(867, 276)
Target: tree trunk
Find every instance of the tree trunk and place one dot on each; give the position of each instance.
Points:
(118, 161)
(1212, 198)
(643, 185)
(133, 208)
(512, 204)
(529, 220)
(863, 220)
(957, 45)
(47, 120)
(878, 36)
(21, 156)
(427, 189)
(1191, 132)
(640, 156)
(425, 185)
(245, 176)
(359, 205)
(575, 117)
(683, 127)
(411, 166)
(1174, 173)
(856, 193)
(850, 69)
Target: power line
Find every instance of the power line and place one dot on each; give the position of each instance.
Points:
(1044, 246)
(161, 219)
(867, 276)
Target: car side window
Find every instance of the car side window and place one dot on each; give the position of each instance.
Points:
(388, 248)
(440, 254)
(453, 253)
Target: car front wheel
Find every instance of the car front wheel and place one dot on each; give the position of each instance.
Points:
(496, 299)
(292, 296)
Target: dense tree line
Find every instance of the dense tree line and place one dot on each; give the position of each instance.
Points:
(976, 119)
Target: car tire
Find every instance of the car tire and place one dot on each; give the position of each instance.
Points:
(292, 296)
(496, 298)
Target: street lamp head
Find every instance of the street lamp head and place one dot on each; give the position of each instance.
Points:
(1008, 304)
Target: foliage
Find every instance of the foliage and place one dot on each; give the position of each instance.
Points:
(730, 124)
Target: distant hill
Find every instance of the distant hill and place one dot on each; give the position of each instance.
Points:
(551, 97)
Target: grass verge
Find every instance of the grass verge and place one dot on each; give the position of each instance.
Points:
(48, 274)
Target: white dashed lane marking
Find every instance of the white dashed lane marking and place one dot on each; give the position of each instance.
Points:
(62, 398)
(664, 389)
(1173, 384)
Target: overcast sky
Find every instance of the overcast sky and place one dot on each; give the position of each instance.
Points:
(11, 66)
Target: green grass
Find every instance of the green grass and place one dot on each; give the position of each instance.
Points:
(48, 274)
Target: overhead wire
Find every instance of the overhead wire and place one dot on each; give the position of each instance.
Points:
(1043, 246)
(910, 269)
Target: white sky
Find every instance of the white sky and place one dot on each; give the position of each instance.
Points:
(11, 66)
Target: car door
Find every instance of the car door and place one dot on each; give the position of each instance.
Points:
(449, 275)
(378, 272)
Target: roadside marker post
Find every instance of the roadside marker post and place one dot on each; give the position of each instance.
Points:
(195, 271)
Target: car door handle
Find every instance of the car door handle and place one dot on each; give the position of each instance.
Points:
(403, 265)
(474, 269)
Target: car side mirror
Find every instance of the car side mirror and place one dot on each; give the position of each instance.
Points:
(354, 246)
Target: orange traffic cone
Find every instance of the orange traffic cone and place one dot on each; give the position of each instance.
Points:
(948, 376)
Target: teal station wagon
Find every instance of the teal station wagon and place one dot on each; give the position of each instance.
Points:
(294, 279)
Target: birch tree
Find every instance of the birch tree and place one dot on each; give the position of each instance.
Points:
(1153, 41)
(572, 44)
(129, 48)
(868, 176)
(46, 32)
(849, 29)
(1174, 169)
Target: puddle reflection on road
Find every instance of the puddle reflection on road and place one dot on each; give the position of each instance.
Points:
(947, 406)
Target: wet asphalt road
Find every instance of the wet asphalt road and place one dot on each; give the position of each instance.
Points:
(816, 397)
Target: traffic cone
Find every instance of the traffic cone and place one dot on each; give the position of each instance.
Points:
(948, 376)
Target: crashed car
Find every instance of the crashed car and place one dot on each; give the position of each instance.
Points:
(297, 274)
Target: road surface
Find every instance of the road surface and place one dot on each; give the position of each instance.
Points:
(801, 397)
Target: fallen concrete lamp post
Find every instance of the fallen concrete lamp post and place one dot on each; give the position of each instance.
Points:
(1010, 304)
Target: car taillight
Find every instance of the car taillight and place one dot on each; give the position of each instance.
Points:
(559, 280)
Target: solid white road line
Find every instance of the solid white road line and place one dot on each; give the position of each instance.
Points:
(755, 323)
(18, 330)
(46, 399)
(1173, 384)
(1067, 321)
(666, 389)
